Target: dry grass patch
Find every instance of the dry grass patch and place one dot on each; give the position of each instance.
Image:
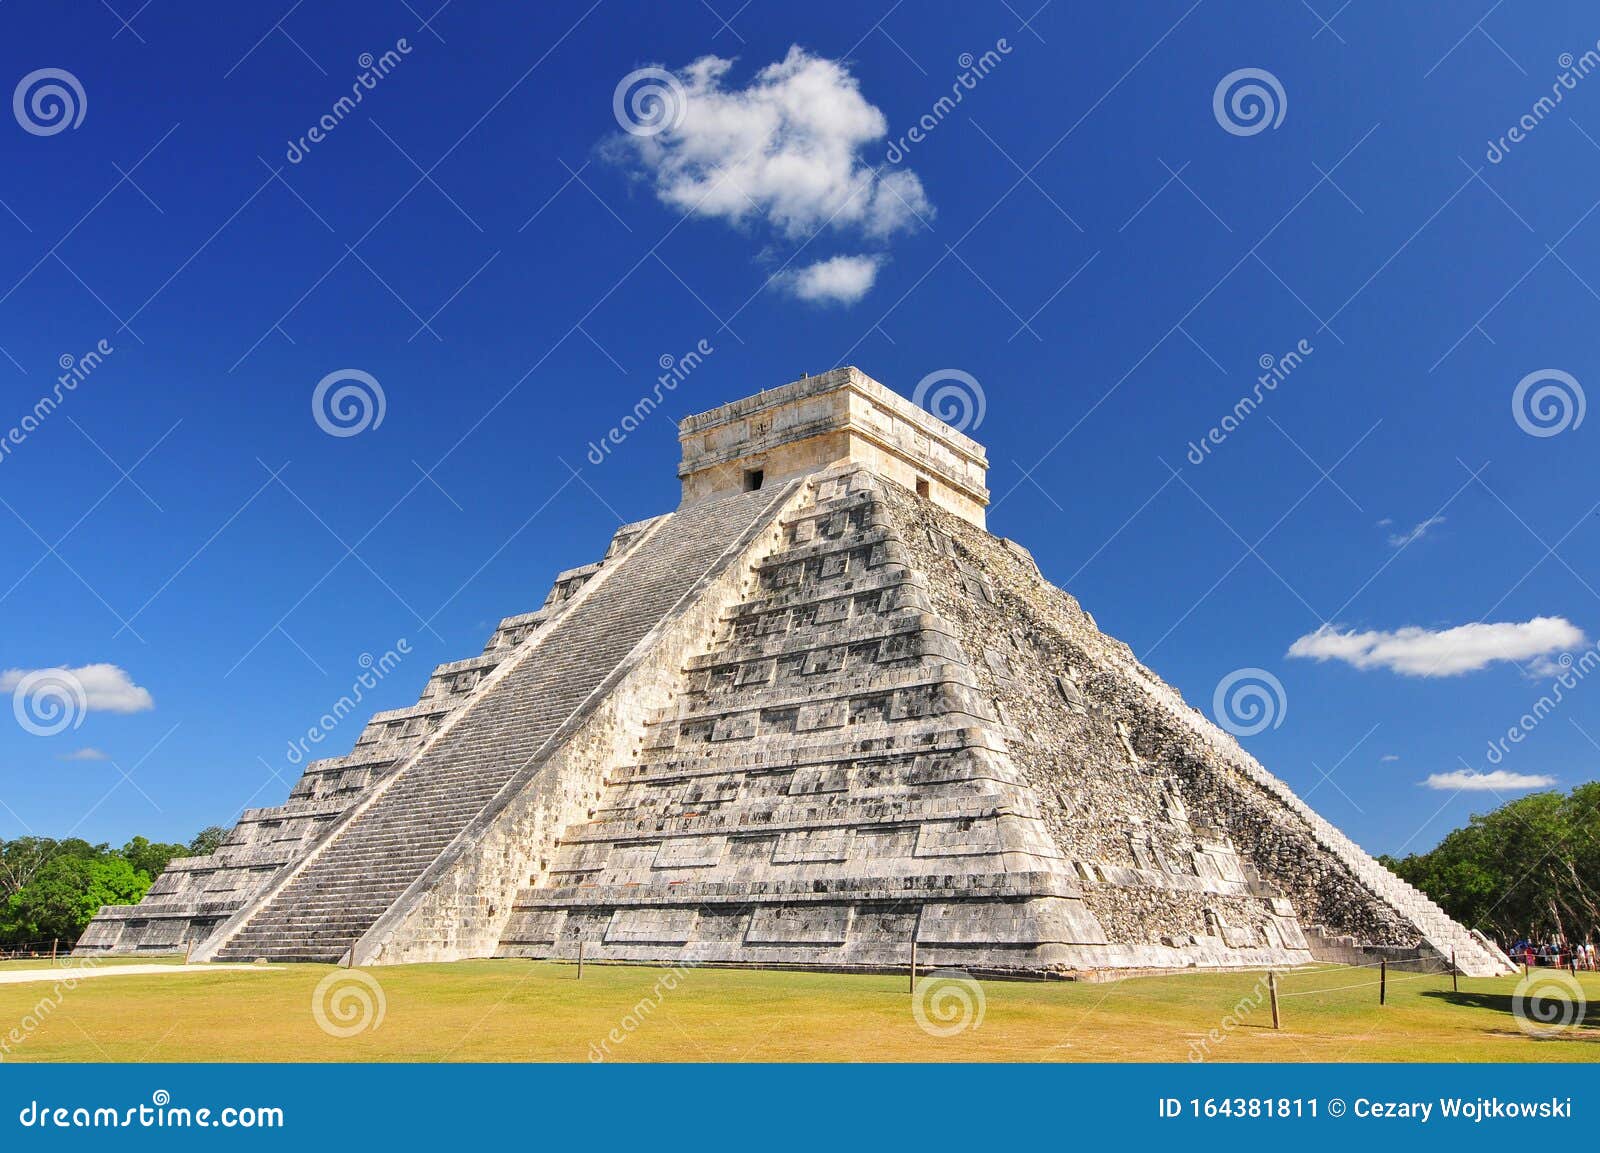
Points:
(522, 1011)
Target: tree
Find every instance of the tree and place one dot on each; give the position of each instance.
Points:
(22, 858)
(51, 888)
(151, 858)
(207, 841)
(1530, 868)
(66, 893)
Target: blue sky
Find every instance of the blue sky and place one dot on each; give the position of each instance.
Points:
(1084, 235)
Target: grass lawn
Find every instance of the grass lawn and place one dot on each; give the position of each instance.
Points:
(522, 1011)
(44, 961)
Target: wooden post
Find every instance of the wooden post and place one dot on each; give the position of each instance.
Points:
(580, 960)
(1272, 988)
(912, 987)
(1383, 981)
(1455, 974)
(54, 941)
(188, 951)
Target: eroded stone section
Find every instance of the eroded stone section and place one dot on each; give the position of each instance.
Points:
(1179, 836)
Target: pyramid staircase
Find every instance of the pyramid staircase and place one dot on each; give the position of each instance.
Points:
(367, 863)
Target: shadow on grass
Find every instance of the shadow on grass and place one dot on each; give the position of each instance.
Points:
(1585, 1023)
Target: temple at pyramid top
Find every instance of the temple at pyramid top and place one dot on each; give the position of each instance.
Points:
(839, 417)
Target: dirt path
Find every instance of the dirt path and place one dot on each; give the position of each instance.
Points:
(84, 972)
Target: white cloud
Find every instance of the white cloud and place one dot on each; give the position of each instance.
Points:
(787, 145)
(837, 280)
(788, 149)
(84, 755)
(1388, 758)
(1401, 539)
(106, 688)
(1420, 652)
(1497, 781)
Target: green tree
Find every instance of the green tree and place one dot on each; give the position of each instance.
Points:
(65, 894)
(20, 859)
(51, 888)
(1530, 868)
(151, 857)
(207, 841)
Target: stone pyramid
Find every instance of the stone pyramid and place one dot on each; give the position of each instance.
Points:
(812, 716)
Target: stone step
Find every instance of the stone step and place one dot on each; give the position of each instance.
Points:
(377, 854)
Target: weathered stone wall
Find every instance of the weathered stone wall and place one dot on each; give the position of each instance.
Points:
(837, 778)
(1151, 761)
(1150, 876)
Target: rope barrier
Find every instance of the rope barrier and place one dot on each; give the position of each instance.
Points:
(1362, 984)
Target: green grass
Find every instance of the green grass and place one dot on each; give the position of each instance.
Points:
(65, 961)
(521, 1011)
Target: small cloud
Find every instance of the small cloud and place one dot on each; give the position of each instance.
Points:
(1401, 539)
(837, 280)
(788, 146)
(1386, 522)
(1420, 652)
(84, 755)
(105, 687)
(1387, 758)
(1465, 780)
(788, 154)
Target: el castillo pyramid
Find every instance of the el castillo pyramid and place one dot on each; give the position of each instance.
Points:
(816, 713)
